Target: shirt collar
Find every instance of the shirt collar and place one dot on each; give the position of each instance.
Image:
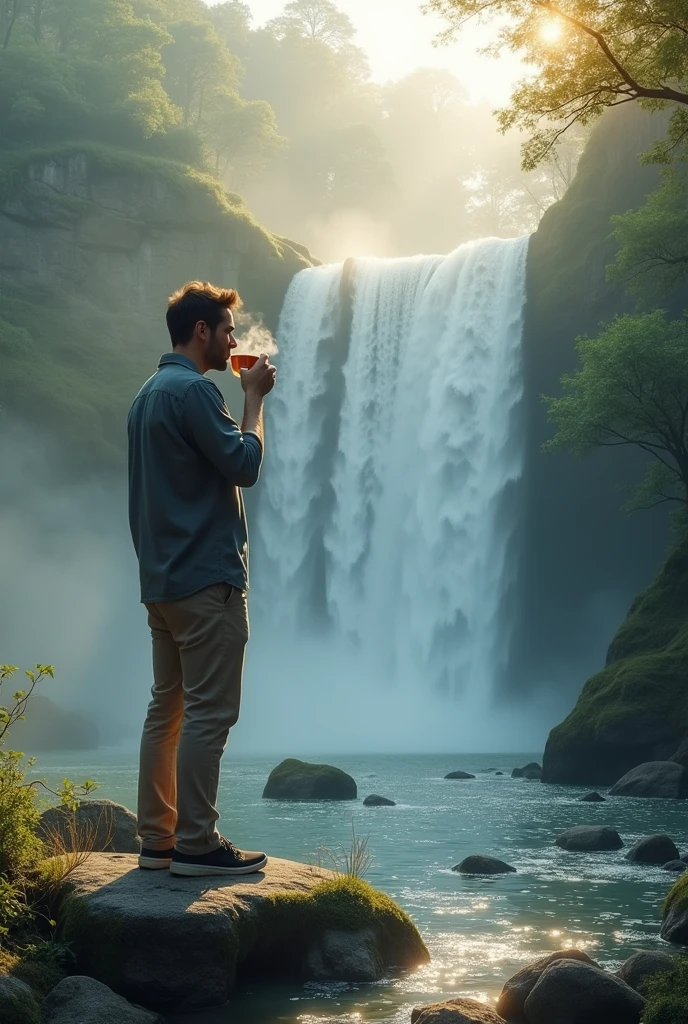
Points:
(179, 360)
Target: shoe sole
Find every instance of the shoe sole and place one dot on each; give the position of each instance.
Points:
(154, 864)
(202, 870)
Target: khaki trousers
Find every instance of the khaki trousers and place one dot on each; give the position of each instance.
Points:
(198, 660)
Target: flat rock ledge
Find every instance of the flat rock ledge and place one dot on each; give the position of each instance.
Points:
(163, 942)
(456, 1011)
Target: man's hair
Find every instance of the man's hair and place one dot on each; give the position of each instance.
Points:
(197, 300)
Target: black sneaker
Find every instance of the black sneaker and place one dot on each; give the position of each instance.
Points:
(226, 860)
(155, 860)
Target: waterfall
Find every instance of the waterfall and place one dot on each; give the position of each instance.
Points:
(389, 498)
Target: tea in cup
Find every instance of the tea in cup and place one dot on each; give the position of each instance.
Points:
(241, 361)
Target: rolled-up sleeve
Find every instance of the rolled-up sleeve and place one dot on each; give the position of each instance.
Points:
(237, 456)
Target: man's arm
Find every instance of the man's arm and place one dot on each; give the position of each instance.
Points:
(252, 423)
(237, 454)
(257, 383)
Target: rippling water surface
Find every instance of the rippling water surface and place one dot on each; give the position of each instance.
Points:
(478, 930)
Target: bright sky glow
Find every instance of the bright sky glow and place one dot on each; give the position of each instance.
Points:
(551, 30)
(398, 38)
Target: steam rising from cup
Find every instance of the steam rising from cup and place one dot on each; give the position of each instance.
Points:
(255, 340)
(251, 343)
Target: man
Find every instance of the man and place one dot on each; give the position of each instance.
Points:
(188, 460)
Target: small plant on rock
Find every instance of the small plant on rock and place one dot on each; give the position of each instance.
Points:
(351, 861)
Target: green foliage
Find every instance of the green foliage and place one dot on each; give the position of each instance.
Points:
(20, 847)
(42, 964)
(653, 254)
(677, 897)
(631, 389)
(92, 70)
(129, 74)
(197, 63)
(667, 996)
(241, 135)
(604, 55)
(315, 19)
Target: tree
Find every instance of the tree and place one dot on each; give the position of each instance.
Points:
(653, 253)
(632, 391)
(242, 136)
(315, 19)
(196, 60)
(232, 21)
(587, 55)
(322, 22)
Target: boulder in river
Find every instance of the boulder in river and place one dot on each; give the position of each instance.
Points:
(299, 780)
(456, 1011)
(590, 838)
(640, 968)
(665, 780)
(532, 766)
(18, 1003)
(378, 801)
(657, 849)
(479, 864)
(459, 775)
(87, 1001)
(571, 992)
(511, 1002)
(592, 798)
(179, 944)
(675, 921)
(681, 754)
(101, 826)
(499, 773)
(677, 866)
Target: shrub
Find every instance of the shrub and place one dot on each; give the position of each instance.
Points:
(21, 850)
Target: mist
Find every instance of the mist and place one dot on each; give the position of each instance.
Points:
(70, 598)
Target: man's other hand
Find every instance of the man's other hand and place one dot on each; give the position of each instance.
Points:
(260, 379)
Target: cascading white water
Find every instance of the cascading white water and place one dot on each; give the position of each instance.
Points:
(392, 512)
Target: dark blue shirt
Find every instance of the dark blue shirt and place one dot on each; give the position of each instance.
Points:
(188, 460)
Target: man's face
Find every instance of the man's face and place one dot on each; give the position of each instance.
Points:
(220, 342)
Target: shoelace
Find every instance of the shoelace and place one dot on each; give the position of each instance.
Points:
(230, 848)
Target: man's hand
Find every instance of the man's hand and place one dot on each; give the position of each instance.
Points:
(260, 379)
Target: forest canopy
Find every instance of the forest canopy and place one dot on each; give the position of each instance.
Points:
(285, 114)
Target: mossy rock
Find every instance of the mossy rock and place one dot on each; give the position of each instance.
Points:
(667, 995)
(675, 916)
(636, 709)
(299, 780)
(18, 1004)
(164, 944)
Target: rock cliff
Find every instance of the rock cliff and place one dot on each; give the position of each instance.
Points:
(93, 242)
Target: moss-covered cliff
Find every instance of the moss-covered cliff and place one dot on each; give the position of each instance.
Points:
(636, 708)
(584, 559)
(93, 242)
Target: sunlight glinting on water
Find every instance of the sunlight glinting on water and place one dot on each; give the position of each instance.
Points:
(478, 930)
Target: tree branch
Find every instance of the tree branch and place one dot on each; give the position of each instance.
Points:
(640, 91)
